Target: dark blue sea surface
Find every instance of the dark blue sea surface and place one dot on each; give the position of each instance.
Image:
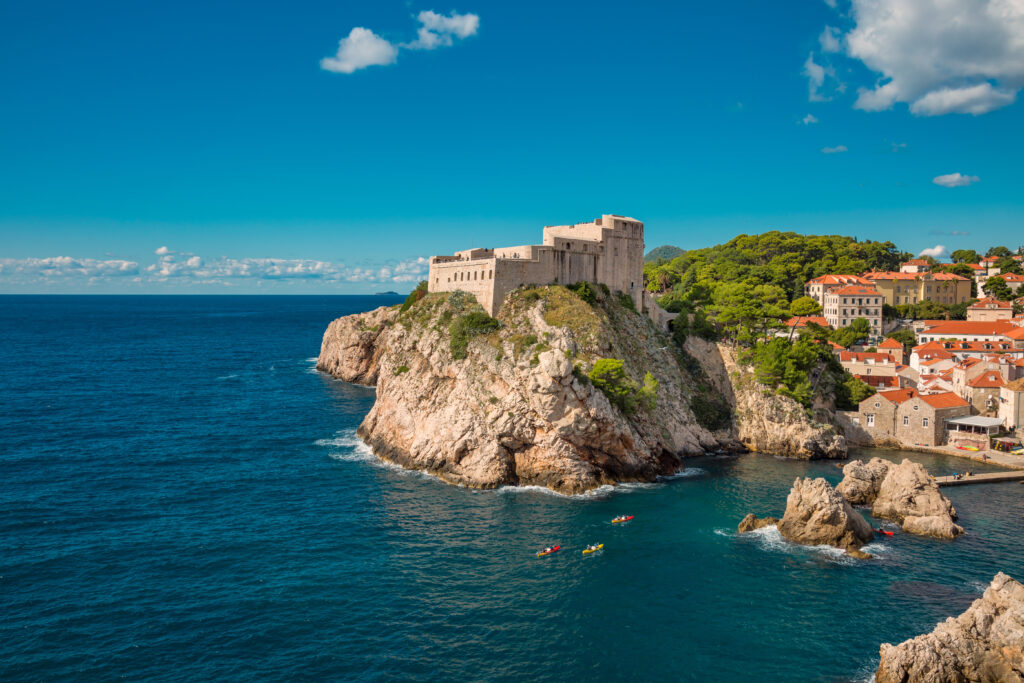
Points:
(182, 497)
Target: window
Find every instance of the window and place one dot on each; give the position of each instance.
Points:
(915, 407)
(925, 422)
(906, 420)
(877, 404)
(871, 420)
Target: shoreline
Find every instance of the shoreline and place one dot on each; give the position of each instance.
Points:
(997, 458)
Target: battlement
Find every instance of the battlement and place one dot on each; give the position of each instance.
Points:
(608, 250)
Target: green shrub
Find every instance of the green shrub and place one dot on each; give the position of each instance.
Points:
(626, 301)
(648, 394)
(609, 376)
(415, 295)
(585, 291)
(401, 369)
(467, 326)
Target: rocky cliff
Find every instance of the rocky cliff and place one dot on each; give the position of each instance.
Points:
(763, 420)
(984, 644)
(518, 408)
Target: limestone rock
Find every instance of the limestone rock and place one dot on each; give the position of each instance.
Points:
(817, 515)
(513, 412)
(985, 644)
(763, 420)
(349, 350)
(752, 523)
(861, 480)
(910, 496)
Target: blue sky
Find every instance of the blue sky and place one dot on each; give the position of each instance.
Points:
(215, 133)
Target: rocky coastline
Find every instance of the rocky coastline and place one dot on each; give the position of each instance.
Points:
(519, 409)
(985, 644)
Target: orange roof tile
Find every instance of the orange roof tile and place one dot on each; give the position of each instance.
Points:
(898, 395)
(945, 399)
(838, 280)
(856, 290)
(953, 328)
(802, 320)
(890, 343)
(991, 303)
(1016, 334)
(987, 380)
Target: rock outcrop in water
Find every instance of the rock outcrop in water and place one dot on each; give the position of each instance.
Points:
(763, 420)
(519, 408)
(817, 515)
(985, 644)
(905, 493)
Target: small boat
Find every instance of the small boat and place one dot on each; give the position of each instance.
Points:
(968, 448)
(593, 549)
(553, 549)
(624, 518)
(880, 530)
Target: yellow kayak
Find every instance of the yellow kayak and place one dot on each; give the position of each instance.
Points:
(587, 551)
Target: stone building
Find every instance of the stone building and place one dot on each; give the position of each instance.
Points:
(817, 287)
(910, 288)
(921, 421)
(983, 391)
(915, 266)
(842, 305)
(894, 349)
(905, 417)
(990, 309)
(1011, 405)
(609, 251)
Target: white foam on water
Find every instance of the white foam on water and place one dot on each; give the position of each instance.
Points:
(357, 450)
(683, 474)
(226, 377)
(877, 548)
(313, 360)
(769, 538)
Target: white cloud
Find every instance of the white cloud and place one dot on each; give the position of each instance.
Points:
(437, 30)
(829, 39)
(978, 99)
(192, 269)
(834, 150)
(809, 119)
(831, 3)
(938, 251)
(65, 267)
(939, 56)
(955, 180)
(362, 48)
(815, 78)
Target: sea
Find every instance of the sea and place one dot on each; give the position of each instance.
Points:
(183, 497)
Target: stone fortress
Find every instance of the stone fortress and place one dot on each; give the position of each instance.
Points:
(609, 251)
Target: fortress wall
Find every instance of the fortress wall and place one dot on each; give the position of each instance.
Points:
(476, 277)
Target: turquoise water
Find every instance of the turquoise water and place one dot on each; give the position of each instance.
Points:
(182, 497)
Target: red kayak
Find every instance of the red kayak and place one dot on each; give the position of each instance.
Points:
(883, 531)
(555, 549)
(619, 520)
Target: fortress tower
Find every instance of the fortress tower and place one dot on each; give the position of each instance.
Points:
(609, 251)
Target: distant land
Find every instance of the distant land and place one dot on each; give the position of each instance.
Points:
(387, 293)
(665, 252)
